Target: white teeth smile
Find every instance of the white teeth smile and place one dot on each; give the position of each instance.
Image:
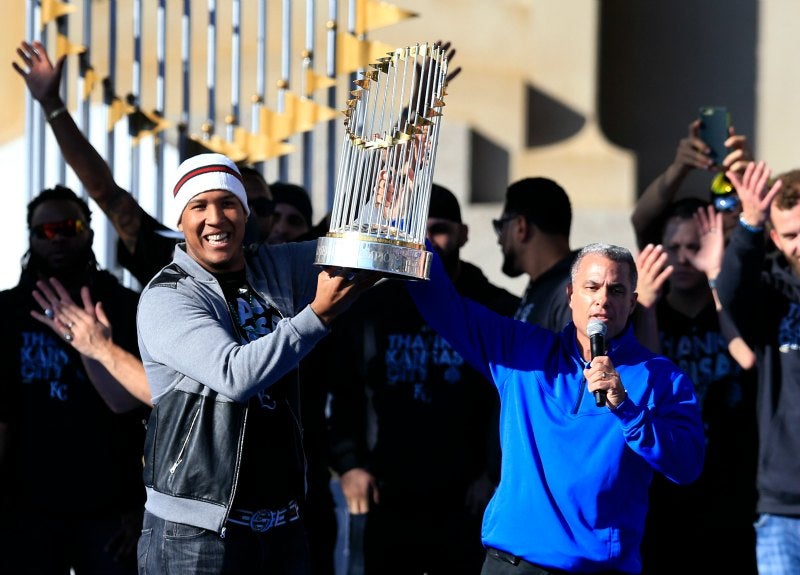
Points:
(220, 237)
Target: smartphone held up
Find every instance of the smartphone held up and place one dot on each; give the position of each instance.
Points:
(715, 123)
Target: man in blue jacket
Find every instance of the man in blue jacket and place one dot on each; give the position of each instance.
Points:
(574, 479)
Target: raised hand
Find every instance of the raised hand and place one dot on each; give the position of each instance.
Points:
(751, 186)
(117, 375)
(653, 272)
(42, 78)
(708, 259)
(451, 52)
(86, 328)
(739, 155)
(692, 152)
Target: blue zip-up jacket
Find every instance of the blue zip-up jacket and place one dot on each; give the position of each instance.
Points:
(574, 477)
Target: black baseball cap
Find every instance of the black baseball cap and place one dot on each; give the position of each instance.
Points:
(543, 202)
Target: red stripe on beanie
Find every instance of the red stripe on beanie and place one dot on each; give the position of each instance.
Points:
(205, 170)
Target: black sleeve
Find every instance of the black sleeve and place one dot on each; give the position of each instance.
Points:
(153, 250)
(738, 283)
(349, 402)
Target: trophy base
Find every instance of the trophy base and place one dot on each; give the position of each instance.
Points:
(405, 261)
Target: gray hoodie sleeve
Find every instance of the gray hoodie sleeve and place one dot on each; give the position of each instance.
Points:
(186, 336)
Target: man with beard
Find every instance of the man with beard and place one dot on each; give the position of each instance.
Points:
(533, 233)
(760, 287)
(70, 444)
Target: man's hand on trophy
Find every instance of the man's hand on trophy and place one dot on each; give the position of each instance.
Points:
(338, 288)
(389, 192)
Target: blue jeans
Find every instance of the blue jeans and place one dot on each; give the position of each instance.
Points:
(778, 545)
(166, 547)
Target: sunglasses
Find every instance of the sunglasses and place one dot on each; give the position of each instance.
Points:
(500, 222)
(439, 228)
(294, 221)
(263, 207)
(66, 228)
(726, 203)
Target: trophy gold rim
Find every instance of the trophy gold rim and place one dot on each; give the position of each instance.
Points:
(358, 236)
(391, 259)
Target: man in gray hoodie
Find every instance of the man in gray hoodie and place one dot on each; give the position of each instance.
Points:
(221, 331)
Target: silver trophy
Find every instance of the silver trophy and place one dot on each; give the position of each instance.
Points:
(383, 186)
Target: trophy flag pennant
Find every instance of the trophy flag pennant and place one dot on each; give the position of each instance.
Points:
(198, 145)
(274, 125)
(372, 14)
(305, 113)
(89, 82)
(259, 147)
(88, 75)
(353, 54)
(52, 9)
(142, 124)
(139, 125)
(314, 82)
(117, 109)
(66, 48)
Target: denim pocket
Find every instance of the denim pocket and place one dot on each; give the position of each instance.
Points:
(174, 530)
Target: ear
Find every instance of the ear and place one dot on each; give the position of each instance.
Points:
(569, 293)
(463, 235)
(525, 229)
(634, 299)
(774, 237)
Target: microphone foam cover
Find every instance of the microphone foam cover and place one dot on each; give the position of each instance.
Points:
(596, 327)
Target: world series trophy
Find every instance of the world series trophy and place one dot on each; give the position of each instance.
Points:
(383, 185)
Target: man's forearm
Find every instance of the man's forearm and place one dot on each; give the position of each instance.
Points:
(656, 198)
(91, 169)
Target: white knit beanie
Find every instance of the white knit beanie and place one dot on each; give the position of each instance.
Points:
(203, 173)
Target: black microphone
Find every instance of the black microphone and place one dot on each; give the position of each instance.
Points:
(596, 330)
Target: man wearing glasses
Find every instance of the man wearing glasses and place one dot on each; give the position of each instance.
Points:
(70, 440)
(145, 245)
(533, 233)
(726, 202)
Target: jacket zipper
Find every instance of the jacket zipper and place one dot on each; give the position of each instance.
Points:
(185, 443)
(581, 392)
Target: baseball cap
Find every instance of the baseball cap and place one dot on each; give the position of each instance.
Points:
(543, 202)
(444, 204)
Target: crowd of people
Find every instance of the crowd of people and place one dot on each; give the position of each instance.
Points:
(194, 426)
